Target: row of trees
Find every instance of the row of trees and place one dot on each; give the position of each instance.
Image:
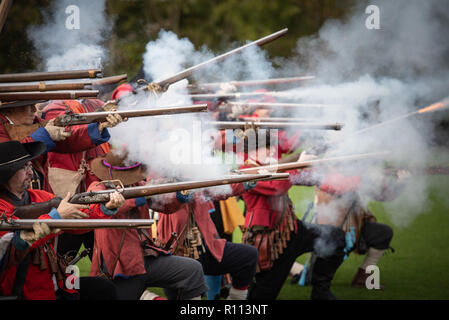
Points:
(214, 23)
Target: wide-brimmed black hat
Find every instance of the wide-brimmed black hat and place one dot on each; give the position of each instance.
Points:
(14, 155)
(16, 104)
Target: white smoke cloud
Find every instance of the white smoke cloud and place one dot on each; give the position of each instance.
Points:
(62, 47)
(378, 75)
(179, 145)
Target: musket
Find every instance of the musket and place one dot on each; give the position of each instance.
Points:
(51, 75)
(438, 106)
(102, 196)
(279, 105)
(108, 80)
(5, 5)
(165, 83)
(244, 125)
(18, 132)
(35, 210)
(90, 117)
(431, 170)
(74, 224)
(276, 119)
(57, 86)
(231, 96)
(208, 87)
(49, 95)
(310, 163)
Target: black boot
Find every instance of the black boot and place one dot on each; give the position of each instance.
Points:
(322, 274)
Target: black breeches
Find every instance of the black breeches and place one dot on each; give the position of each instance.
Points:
(377, 235)
(325, 241)
(239, 260)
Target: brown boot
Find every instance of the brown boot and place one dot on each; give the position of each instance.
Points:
(359, 280)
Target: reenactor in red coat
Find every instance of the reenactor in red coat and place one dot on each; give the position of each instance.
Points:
(272, 226)
(27, 269)
(198, 239)
(132, 258)
(69, 169)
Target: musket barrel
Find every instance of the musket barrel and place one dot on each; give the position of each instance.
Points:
(247, 83)
(68, 224)
(186, 73)
(223, 125)
(50, 95)
(282, 105)
(306, 164)
(52, 75)
(42, 87)
(109, 80)
(277, 119)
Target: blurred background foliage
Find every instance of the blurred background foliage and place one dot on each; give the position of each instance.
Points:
(217, 24)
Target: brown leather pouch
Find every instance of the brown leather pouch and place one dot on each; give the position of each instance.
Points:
(264, 247)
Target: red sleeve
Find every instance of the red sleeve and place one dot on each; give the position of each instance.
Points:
(337, 183)
(288, 144)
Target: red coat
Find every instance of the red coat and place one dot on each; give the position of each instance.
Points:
(107, 241)
(266, 200)
(85, 138)
(38, 283)
(78, 141)
(202, 207)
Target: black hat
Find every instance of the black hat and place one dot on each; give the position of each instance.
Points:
(21, 103)
(14, 155)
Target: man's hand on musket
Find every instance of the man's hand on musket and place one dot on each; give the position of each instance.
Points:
(403, 175)
(40, 230)
(111, 121)
(306, 157)
(116, 200)
(69, 210)
(56, 133)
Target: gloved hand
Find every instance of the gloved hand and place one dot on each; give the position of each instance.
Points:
(40, 230)
(111, 121)
(403, 175)
(56, 133)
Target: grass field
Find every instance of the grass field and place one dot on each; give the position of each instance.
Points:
(418, 269)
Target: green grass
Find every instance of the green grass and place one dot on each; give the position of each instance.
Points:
(417, 269)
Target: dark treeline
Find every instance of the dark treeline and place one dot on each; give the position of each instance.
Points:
(216, 24)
